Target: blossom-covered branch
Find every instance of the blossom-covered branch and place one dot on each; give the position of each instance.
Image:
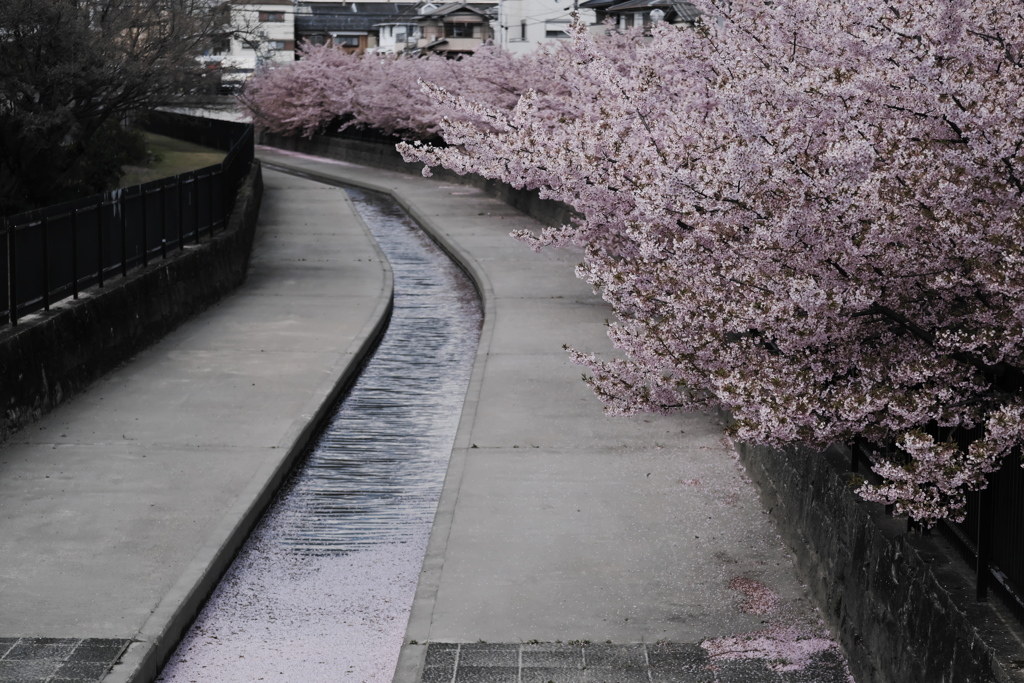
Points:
(805, 211)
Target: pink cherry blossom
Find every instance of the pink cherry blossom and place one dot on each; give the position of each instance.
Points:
(807, 212)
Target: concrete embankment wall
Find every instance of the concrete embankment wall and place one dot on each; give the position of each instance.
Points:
(386, 157)
(50, 356)
(901, 604)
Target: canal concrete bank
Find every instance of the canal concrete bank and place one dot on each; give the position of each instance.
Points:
(121, 508)
(567, 545)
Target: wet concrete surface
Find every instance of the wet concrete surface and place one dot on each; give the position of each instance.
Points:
(323, 588)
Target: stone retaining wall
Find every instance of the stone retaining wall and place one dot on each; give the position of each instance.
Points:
(50, 356)
(901, 604)
(385, 156)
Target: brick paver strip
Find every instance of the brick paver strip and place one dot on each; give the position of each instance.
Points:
(58, 660)
(607, 663)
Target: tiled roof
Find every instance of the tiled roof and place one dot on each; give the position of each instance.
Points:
(684, 10)
(262, 2)
(452, 7)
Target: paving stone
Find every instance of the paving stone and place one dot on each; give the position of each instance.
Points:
(106, 650)
(42, 648)
(552, 655)
(487, 674)
(489, 655)
(615, 675)
(82, 671)
(745, 671)
(58, 660)
(26, 670)
(826, 667)
(609, 663)
(441, 654)
(615, 656)
(660, 654)
(438, 674)
(682, 675)
(541, 674)
(679, 663)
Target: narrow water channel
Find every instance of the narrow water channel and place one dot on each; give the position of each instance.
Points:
(323, 588)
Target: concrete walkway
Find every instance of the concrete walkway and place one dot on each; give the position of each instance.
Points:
(569, 546)
(119, 509)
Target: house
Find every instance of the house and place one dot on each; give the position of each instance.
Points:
(454, 28)
(525, 24)
(642, 13)
(270, 30)
(397, 35)
(350, 26)
(261, 31)
(264, 31)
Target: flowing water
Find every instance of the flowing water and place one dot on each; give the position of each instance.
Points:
(323, 588)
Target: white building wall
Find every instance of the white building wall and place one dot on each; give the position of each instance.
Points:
(525, 24)
(266, 33)
(389, 35)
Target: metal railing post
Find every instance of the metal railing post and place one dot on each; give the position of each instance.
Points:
(163, 221)
(209, 202)
(124, 237)
(145, 229)
(181, 216)
(12, 274)
(74, 253)
(195, 203)
(224, 203)
(45, 227)
(984, 542)
(99, 243)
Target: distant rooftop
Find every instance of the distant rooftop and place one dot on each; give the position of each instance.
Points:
(349, 16)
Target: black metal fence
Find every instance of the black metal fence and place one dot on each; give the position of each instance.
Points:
(214, 133)
(991, 537)
(55, 252)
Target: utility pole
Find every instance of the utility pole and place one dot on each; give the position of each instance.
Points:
(502, 28)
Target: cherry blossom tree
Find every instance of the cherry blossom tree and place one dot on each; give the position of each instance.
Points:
(331, 89)
(806, 211)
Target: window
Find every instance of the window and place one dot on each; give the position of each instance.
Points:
(271, 16)
(346, 41)
(555, 29)
(276, 44)
(522, 30)
(455, 30)
(221, 46)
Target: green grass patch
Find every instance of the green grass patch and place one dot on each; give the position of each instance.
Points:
(168, 157)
